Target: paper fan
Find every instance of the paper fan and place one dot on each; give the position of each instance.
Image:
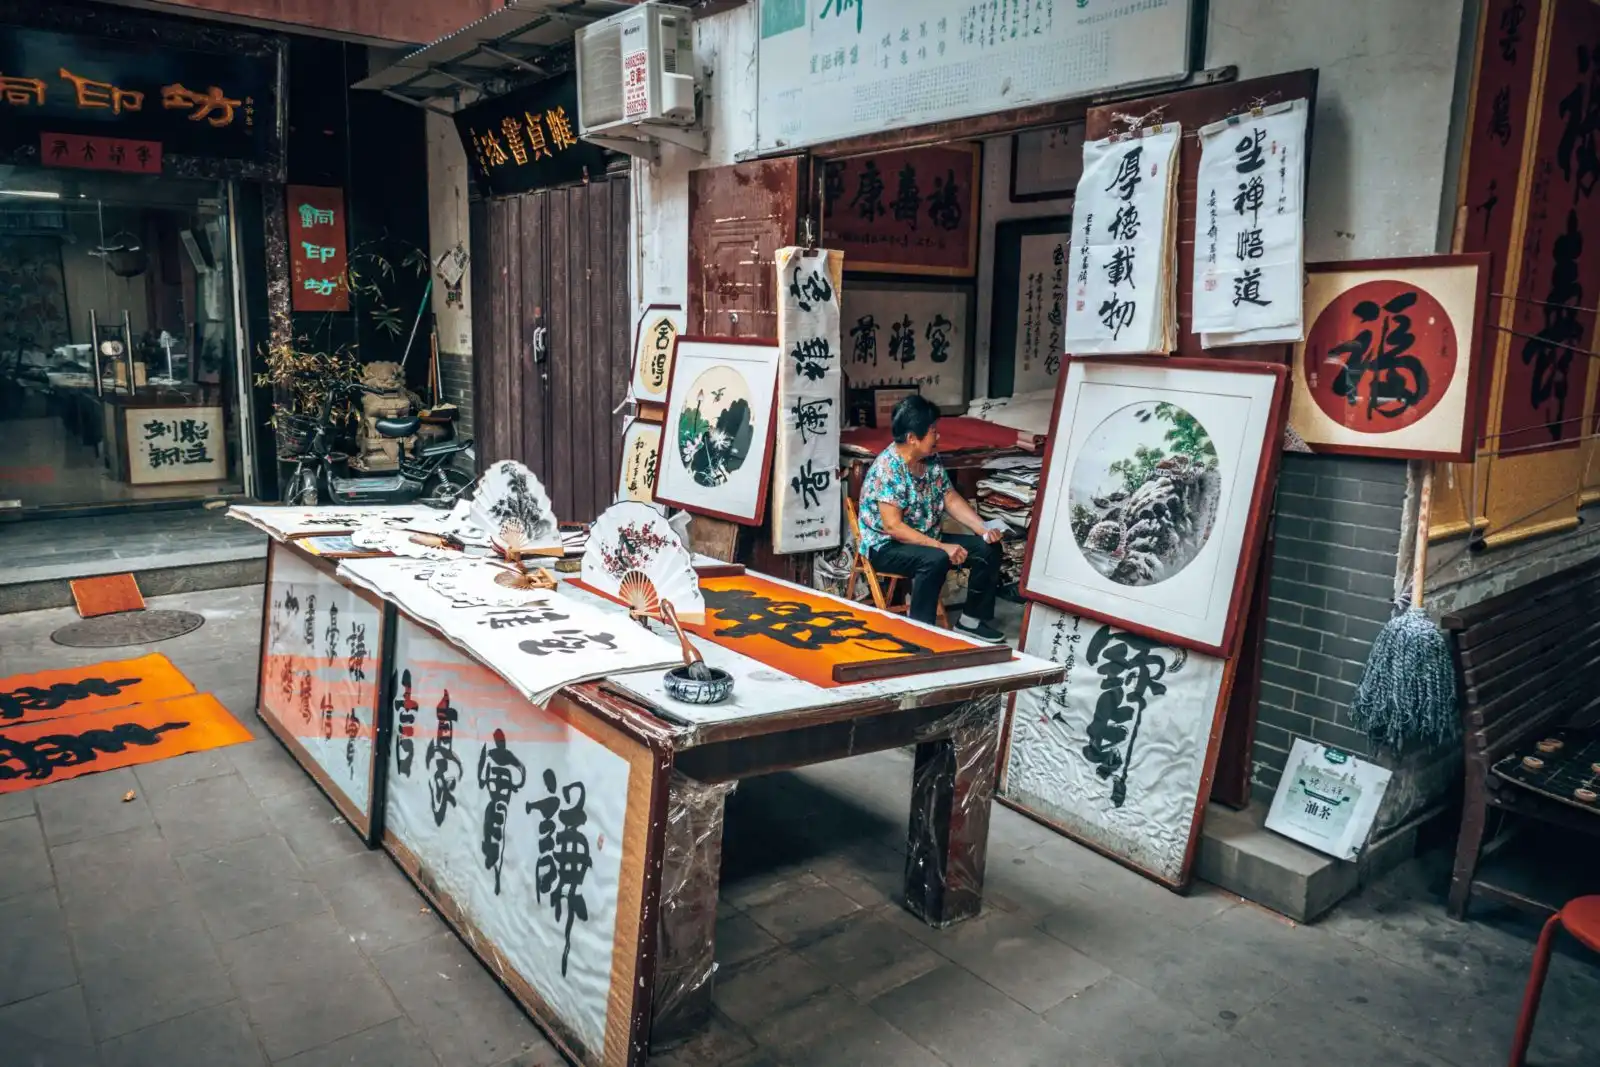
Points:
(632, 542)
(508, 498)
(476, 583)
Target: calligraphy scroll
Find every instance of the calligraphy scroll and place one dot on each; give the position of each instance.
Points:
(319, 677)
(531, 825)
(175, 444)
(1249, 231)
(654, 343)
(1123, 296)
(910, 333)
(1119, 754)
(1028, 331)
(806, 505)
(641, 454)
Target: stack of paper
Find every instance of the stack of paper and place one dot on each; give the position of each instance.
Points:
(1123, 294)
(1006, 495)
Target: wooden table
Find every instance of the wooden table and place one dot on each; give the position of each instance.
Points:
(429, 730)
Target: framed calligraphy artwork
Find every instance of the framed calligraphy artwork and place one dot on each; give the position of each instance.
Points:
(1122, 294)
(317, 689)
(913, 334)
(1046, 164)
(1249, 227)
(716, 445)
(641, 454)
(823, 639)
(806, 507)
(1153, 497)
(1393, 360)
(913, 211)
(174, 444)
(654, 341)
(1119, 755)
(530, 828)
(317, 252)
(1027, 332)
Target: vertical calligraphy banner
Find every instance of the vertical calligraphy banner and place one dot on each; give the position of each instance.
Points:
(1497, 130)
(1122, 297)
(1249, 227)
(1547, 328)
(317, 252)
(807, 508)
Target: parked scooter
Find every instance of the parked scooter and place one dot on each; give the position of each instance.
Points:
(424, 477)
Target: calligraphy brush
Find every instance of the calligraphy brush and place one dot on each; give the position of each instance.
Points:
(694, 663)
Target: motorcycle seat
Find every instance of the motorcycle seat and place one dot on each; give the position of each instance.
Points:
(397, 427)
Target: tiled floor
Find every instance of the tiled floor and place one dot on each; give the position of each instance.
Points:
(225, 917)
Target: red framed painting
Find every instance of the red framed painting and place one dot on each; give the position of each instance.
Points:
(1393, 363)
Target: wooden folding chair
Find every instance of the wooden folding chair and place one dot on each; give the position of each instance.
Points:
(863, 569)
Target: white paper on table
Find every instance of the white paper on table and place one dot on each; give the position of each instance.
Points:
(1121, 297)
(1250, 227)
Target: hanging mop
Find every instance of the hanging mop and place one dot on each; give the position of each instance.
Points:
(1408, 692)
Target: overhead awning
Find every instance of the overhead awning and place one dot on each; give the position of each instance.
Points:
(489, 56)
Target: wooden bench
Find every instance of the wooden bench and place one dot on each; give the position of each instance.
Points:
(1527, 665)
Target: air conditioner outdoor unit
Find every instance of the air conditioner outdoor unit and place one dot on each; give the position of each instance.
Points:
(636, 83)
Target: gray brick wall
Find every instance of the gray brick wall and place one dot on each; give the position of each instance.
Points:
(456, 370)
(1332, 588)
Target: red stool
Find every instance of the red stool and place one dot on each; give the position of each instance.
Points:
(1581, 918)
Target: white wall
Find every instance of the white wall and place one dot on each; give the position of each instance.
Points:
(448, 227)
(1381, 128)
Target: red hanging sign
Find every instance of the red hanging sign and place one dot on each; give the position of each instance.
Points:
(100, 153)
(317, 254)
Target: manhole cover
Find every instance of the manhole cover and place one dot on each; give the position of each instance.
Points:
(129, 628)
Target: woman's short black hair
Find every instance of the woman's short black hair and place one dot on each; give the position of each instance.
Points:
(913, 417)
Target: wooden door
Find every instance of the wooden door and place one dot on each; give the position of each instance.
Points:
(739, 216)
(551, 335)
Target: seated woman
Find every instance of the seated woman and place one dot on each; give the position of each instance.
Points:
(903, 503)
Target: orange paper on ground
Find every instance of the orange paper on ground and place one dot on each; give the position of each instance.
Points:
(108, 594)
(54, 751)
(26, 698)
(807, 634)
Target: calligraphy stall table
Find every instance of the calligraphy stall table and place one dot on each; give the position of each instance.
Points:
(573, 836)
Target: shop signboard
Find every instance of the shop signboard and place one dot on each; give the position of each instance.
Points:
(910, 212)
(317, 252)
(62, 93)
(528, 139)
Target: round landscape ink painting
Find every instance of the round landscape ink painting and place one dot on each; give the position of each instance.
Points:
(1143, 493)
(1380, 356)
(716, 426)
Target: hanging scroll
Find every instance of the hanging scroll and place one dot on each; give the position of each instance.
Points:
(805, 486)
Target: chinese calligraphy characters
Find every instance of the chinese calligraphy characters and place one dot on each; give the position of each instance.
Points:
(174, 444)
(810, 392)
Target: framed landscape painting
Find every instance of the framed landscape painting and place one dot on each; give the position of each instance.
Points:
(716, 442)
(1153, 494)
(1392, 364)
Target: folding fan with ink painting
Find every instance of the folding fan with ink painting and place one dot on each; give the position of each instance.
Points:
(635, 557)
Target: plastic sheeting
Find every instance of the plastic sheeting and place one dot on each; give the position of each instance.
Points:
(691, 870)
(944, 878)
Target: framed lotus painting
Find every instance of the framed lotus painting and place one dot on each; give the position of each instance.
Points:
(716, 440)
(1393, 361)
(1155, 484)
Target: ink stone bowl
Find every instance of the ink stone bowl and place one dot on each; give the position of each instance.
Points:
(681, 685)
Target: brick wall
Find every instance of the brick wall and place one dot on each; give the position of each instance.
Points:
(456, 371)
(1338, 534)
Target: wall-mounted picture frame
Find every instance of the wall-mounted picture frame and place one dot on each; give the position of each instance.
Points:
(910, 334)
(717, 440)
(1154, 492)
(1046, 164)
(911, 211)
(1393, 363)
(1027, 331)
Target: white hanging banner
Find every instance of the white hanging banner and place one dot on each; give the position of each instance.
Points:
(806, 505)
(1249, 231)
(1122, 297)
